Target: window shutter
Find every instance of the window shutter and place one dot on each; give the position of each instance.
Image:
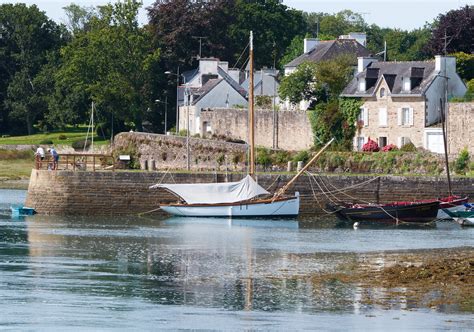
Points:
(366, 117)
(411, 116)
(399, 116)
(383, 117)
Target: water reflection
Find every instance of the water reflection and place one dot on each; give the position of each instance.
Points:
(91, 269)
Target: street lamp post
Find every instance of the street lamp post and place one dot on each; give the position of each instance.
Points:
(177, 96)
(166, 110)
(186, 104)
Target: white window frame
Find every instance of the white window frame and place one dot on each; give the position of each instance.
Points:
(363, 141)
(402, 140)
(408, 121)
(383, 117)
(382, 93)
(364, 116)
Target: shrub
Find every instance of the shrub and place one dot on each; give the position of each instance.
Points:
(79, 144)
(462, 162)
(62, 137)
(263, 157)
(390, 147)
(220, 159)
(281, 157)
(370, 146)
(46, 142)
(301, 156)
(409, 147)
(183, 132)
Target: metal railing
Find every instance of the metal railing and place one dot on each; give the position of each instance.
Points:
(77, 162)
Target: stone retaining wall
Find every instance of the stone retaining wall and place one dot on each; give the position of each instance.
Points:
(127, 193)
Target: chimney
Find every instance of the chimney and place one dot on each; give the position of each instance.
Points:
(447, 63)
(360, 37)
(310, 43)
(363, 62)
(236, 75)
(224, 65)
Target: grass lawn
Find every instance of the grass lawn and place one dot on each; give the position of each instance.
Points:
(16, 169)
(68, 136)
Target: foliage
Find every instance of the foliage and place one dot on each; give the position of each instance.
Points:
(183, 132)
(317, 81)
(220, 159)
(331, 26)
(408, 147)
(281, 157)
(299, 85)
(46, 141)
(263, 102)
(301, 156)
(457, 25)
(132, 150)
(81, 144)
(390, 147)
(464, 65)
(29, 40)
(109, 64)
(462, 162)
(294, 50)
(263, 157)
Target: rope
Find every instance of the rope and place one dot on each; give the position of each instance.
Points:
(147, 212)
(271, 185)
(241, 54)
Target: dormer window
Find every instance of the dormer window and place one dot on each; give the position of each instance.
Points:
(382, 92)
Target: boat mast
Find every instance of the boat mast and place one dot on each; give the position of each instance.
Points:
(444, 113)
(251, 112)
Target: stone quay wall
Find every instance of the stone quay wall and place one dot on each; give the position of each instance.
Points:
(127, 193)
(161, 152)
(461, 128)
(293, 129)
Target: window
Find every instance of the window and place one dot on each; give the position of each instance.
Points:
(403, 141)
(382, 92)
(359, 143)
(363, 117)
(405, 116)
(362, 85)
(383, 117)
(382, 141)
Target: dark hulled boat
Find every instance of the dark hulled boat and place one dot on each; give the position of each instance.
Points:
(419, 212)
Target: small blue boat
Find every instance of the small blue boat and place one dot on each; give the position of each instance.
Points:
(20, 210)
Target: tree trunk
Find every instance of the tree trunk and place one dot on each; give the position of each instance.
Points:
(29, 124)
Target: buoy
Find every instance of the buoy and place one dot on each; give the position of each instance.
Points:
(355, 225)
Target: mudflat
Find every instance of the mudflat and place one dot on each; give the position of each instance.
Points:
(428, 278)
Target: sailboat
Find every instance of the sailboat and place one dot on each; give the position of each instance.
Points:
(245, 198)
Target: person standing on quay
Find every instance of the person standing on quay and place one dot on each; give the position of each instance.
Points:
(39, 157)
(55, 156)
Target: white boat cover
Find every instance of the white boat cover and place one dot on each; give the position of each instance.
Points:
(212, 193)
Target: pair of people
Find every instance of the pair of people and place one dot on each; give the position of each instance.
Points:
(40, 155)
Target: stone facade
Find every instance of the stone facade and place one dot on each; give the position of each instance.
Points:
(293, 127)
(461, 128)
(127, 193)
(156, 151)
(376, 126)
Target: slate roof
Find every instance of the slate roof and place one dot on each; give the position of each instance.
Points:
(421, 73)
(330, 49)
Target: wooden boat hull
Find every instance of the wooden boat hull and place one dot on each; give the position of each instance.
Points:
(416, 212)
(285, 207)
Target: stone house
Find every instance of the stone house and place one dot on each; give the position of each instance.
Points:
(322, 50)
(211, 85)
(402, 100)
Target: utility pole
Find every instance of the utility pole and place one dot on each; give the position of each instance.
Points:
(200, 44)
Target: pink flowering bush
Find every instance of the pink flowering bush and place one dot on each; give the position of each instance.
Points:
(370, 146)
(390, 147)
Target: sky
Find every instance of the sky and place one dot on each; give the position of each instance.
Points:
(402, 14)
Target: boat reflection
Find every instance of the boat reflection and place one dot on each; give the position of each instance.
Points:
(233, 222)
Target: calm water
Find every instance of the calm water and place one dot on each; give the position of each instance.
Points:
(138, 273)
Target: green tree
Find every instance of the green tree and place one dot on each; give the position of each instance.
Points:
(111, 65)
(299, 85)
(464, 65)
(28, 40)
